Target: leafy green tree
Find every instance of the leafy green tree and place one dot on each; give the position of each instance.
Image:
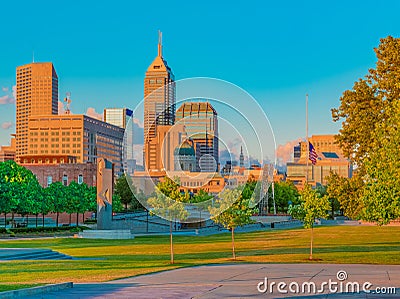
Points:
(126, 194)
(381, 195)
(201, 196)
(234, 208)
(45, 204)
(168, 204)
(14, 180)
(348, 193)
(57, 194)
(91, 197)
(117, 206)
(76, 199)
(285, 194)
(312, 206)
(367, 104)
(29, 202)
(201, 202)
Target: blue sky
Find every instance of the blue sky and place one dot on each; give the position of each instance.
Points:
(276, 50)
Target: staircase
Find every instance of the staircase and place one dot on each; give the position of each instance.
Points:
(8, 254)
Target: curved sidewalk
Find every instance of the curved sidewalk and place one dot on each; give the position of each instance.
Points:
(240, 281)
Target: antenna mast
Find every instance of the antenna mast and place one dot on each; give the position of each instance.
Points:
(67, 103)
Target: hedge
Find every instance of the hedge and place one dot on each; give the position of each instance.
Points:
(41, 229)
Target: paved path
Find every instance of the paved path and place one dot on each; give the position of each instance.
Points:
(237, 281)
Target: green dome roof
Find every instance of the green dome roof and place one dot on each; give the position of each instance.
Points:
(185, 149)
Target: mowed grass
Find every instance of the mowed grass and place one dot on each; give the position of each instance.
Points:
(113, 259)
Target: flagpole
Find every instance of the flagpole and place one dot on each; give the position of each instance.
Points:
(307, 142)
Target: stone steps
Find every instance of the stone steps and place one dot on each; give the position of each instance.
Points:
(8, 254)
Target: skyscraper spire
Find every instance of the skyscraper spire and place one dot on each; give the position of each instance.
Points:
(159, 43)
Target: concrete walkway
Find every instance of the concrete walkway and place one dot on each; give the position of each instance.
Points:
(241, 281)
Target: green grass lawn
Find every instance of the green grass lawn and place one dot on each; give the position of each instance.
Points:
(123, 258)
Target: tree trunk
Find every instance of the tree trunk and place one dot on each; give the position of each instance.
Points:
(233, 243)
(36, 218)
(27, 220)
(70, 219)
(12, 220)
(171, 243)
(42, 219)
(126, 207)
(57, 219)
(83, 217)
(312, 239)
(5, 220)
(77, 219)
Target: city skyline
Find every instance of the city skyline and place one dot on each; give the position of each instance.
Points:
(275, 62)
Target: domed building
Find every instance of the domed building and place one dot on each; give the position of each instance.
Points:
(185, 157)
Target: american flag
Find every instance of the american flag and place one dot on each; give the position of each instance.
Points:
(312, 153)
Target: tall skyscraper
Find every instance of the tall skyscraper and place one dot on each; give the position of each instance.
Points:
(37, 94)
(200, 120)
(159, 103)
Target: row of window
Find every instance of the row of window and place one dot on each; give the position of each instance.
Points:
(64, 180)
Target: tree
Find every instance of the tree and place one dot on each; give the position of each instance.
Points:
(76, 199)
(370, 133)
(201, 202)
(285, 194)
(234, 208)
(312, 206)
(368, 103)
(29, 202)
(127, 195)
(14, 180)
(117, 206)
(168, 204)
(45, 205)
(348, 193)
(381, 196)
(57, 194)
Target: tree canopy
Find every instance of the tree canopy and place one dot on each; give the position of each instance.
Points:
(370, 136)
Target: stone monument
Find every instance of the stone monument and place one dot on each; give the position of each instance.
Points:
(105, 176)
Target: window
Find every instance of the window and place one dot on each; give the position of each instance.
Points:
(65, 180)
(49, 180)
(80, 179)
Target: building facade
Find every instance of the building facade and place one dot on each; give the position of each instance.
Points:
(36, 94)
(200, 120)
(330, 159)
(7, 152)
(80, 136)
(64, 172)
(159, 103)
(185, 157)
(117, 116)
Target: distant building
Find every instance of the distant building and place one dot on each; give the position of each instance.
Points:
(159, 105)
(64, 172)
(7, 152)
(117, 116)
(330, 159)
(75, 135)
(201, 125)
(120, 117)
(241, 158)
(185, 157)
(36, 94)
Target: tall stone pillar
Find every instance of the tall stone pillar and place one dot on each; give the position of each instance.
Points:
(105, 177)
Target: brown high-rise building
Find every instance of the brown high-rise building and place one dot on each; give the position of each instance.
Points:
(159, 104)
(200, 121)
(37, 94)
